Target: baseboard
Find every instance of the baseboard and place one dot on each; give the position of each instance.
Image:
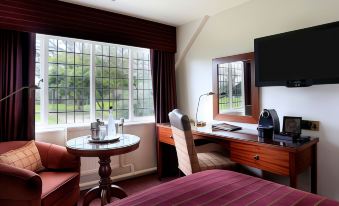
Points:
(87, 185)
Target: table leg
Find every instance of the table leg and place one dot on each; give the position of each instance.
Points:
(105, 190)
(118, 192)
(293, 181)
(159, 160)
(91, 195)
(293, 172)
(314, 170)
(105, 179)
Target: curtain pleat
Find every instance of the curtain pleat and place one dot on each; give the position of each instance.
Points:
(17, 68)
(164, 85)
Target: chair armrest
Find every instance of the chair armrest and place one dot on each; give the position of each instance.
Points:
(19, 184)
(56, 157)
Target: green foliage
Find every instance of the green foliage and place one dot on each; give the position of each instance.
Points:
(226, 103)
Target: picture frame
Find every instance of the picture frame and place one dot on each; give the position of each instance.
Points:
(292, 125)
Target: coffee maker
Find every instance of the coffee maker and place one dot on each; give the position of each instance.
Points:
(268, 124)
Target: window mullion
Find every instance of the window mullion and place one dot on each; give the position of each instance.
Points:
(92, 84)
(130, 86)
(44, 64)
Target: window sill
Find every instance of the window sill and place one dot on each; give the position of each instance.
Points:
(54, 128)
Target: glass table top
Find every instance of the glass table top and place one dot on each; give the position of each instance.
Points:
(82, 143)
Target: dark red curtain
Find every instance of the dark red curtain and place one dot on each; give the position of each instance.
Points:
(17, 68)
(164, 86)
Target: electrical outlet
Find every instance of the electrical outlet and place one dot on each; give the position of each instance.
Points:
(310, 125)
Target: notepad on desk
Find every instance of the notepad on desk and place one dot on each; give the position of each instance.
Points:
(225, 127)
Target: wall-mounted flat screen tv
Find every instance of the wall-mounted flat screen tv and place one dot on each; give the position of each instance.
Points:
(298, 58)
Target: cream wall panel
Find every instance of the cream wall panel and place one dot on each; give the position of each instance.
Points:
(232, 32)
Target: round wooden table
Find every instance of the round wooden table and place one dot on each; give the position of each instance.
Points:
(80, 146)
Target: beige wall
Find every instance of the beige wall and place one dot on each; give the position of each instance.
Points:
(232, 32)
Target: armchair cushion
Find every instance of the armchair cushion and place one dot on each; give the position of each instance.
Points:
(19, 185)
(55, 157)
(25, 157)
(58, 186)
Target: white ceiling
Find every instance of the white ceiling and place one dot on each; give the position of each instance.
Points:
(171, 12)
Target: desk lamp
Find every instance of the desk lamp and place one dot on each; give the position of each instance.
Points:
(201, 123)
(22, 88)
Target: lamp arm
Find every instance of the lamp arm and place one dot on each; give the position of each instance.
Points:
(19, 90)
(196, 114)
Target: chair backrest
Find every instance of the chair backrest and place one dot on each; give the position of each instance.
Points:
(11, 145)
(184, 143)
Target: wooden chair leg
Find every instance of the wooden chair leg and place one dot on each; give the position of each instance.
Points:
(180, 174)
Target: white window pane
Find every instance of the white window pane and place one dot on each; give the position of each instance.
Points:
(111, 80)
(66, 82)
(142, 84)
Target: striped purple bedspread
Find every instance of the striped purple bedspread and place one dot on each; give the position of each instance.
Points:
(221, 187)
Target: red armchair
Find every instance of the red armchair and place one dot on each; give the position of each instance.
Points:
(57, 184)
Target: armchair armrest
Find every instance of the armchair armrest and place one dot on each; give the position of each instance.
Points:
(19, 184)
(56, 157)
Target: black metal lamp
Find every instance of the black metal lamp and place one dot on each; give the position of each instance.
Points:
(22, 88)
(201, 123)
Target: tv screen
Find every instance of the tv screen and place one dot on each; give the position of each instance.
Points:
(298, 58)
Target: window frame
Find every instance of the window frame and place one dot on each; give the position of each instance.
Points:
(252, 91)
(44, 99)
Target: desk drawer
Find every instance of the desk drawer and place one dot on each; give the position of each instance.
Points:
(244, 154)
(165, 135)
(265, 158)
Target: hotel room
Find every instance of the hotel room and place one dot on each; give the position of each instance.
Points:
(121, 102)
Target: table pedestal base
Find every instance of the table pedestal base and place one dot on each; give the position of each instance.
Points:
(105, 190)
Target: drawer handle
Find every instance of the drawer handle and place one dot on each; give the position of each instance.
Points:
(256, 157)
(171, 136)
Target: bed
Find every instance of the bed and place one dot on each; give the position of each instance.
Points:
(222, 187)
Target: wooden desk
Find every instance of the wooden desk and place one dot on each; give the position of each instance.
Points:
(247, 149)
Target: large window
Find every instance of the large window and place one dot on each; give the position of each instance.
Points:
(83, 79)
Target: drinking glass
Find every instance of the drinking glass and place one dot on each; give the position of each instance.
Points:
(103, 132)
